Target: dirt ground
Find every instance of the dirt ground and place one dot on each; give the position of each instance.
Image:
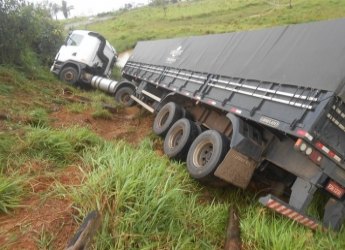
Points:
(131, 124)
(47, 220)
(41, 219)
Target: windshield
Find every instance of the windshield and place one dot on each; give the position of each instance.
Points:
(74, 40)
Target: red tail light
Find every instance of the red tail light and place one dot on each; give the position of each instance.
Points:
(316, 157)
(335, 189)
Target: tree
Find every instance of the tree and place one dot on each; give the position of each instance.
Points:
(55, 9)
(161, 3)
(28, 35)
(128, 6)
(66, 9)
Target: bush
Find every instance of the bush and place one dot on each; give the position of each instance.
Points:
(27, 32)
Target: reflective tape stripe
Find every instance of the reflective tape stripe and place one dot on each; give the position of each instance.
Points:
(281, 208)
(309, 136)
(305, 220)
(325, 149)
(292, 214)
(287, 212)
(337, 158)
(274, 205)
(305, 134)
(330, 153)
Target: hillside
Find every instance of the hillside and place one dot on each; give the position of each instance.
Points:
(62, 154)
(211, 16)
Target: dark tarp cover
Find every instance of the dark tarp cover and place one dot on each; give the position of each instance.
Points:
(309, 55)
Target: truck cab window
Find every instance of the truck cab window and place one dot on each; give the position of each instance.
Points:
(74, 40)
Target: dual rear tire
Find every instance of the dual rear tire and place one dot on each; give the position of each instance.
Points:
(184, 141)
(205, 154)
(179, 138)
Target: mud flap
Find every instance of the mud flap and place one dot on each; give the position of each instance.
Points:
(236, 169)
(334, 214)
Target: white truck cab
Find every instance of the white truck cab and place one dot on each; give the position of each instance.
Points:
(83, 55)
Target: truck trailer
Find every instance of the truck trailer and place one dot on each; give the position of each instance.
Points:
(265, 104)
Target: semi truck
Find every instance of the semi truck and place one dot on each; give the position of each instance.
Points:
(263, 105)
(84, 52)
(87, 58)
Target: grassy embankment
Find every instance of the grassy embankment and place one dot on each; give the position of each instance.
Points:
(147, 202)
(209, 16)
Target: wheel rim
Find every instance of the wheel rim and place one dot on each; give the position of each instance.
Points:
(175, 138)
(164, 118)
(125, 98)
(69, 76)
(202, 154)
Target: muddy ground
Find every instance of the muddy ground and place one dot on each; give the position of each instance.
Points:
(45, 220)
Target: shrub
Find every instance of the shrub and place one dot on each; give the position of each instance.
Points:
(27, 32)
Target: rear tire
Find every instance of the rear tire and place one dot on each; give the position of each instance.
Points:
(205, 154)
(69, 74)
(166, 117)
(179, 138)
(123, 96)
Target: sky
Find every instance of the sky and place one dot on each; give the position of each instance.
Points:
(93, 7)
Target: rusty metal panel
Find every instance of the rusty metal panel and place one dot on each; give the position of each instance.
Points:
(236, 169)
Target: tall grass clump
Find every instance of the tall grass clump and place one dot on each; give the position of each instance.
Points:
(264, 229)
(11, 191)
(61, 147)
(147, 202)
(38, 117)
(7, 143)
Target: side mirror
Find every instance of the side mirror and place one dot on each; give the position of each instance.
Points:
(65, 42)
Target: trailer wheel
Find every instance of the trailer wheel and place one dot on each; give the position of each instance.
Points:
(205, 154)
(69, 74)
(166, 117)
(123, 96)
(179, 138)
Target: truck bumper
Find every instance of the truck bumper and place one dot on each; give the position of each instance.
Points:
(286, 210)
(56, 67)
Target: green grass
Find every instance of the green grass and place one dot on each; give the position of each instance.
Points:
(211, 16)
(45, 239)
(146, 201)
(58, 147)
(77, 107)
(149, 202)
(11, 191)
(7, 142)
(102, 114)
(38, 117)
